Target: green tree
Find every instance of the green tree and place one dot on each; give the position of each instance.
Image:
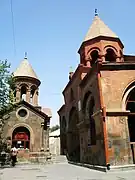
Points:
(54, 128)
(6, 81)
(6, 95)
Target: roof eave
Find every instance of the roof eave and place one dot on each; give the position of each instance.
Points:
(28, 78)
(99, 38)
(42, 114)
(61, 109)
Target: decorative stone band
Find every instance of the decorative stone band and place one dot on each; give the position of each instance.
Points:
(116, 112)
(112, 112)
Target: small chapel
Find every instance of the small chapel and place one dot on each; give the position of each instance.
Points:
(97, 119)
(27, 125)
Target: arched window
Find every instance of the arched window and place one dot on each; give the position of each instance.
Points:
(130, 104)
(14, 93)
(110, 55)
(33, 88)
(94, 56)
(23, 93)
(85, 101)
(71, 95)
(92, 121)
(73, 135)
(88, 110)
(64, 124)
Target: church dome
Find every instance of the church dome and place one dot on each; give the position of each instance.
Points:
(25, 70)
(99, 28)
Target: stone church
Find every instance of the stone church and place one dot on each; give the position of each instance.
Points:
(97, 120)
(28, 123)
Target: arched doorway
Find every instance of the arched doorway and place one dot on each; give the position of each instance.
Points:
(63, 136)
(88, 110)
(73, 136)
(21, 138)
(130, 105)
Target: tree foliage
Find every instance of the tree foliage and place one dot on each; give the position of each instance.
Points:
(6, 94)
(6, 97)
(54, 128)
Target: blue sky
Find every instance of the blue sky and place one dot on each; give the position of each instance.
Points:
(52, 31)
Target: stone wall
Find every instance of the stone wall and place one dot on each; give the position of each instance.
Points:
(54, 144)
(114, 84)
(32, 123)
(93, 154)
(119, 149)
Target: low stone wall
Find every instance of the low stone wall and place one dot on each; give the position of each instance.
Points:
(33, 157)
(39, 157)
(23, 153)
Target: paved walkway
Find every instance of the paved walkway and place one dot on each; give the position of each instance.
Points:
(61, 171)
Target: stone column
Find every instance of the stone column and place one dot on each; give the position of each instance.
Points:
(47, 136)
(88, 64)
(88, 61)
(103, 58)
(118, 59)
(35, 98)
(28, 93)
(42, 136)
(18, 95)
(45, 140)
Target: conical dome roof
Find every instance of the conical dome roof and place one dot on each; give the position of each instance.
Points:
(99, 28)
(25, 70)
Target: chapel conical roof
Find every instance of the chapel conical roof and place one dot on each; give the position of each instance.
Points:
(99, 28)
(25, 70)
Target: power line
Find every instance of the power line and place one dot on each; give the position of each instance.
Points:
(13, 29)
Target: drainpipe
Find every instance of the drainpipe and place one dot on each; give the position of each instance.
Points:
(103, 115)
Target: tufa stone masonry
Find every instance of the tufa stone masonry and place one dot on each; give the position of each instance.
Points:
(97, 119)
(28, 123)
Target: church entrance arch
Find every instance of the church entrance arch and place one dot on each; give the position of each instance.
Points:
(73, 136)
(21, 138)
(130, 105)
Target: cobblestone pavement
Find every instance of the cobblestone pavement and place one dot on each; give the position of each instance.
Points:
(61, 171)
